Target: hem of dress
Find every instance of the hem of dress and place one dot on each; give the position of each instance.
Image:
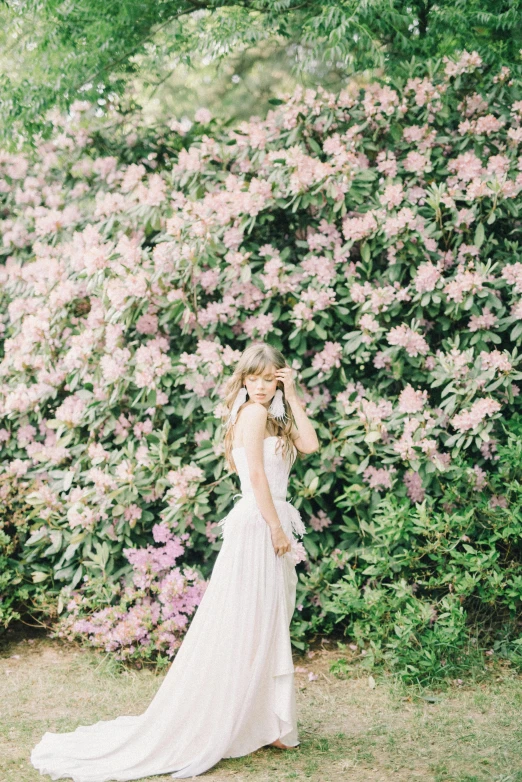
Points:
(267, 743)
(283, 685)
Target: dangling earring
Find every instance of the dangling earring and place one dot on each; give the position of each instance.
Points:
(277, 407)
(238, 401)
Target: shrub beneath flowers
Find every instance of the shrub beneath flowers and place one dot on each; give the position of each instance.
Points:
(428, 589)
(15, 591)
(373, 236)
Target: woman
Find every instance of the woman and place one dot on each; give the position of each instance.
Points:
(230, 689)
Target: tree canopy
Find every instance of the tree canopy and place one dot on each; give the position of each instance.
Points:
(55, 51)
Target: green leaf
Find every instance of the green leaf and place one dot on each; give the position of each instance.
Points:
(365, 252)
(479, 235)
(311, 547)
(77, 576)
(38, 576)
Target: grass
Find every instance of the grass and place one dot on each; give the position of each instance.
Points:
(348, 729)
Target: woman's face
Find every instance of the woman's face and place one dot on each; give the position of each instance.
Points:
(262, 387)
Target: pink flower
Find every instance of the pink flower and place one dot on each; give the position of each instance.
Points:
(495, 360)
(328, 358)
(416, 163)
(426, 93)
(466, 166)
(24, 436)
(320, 521)
(297, 552)
(392, 196)
(469, 419)
(379, 478)
(498, 165)
(369, 325)
(357, 228)
(259, 324)
(485, 321)
(124, 471)
(415, 489)
(203, 116)
(147, 324)
(466, 64)
(406, 338)
(132, 512)
(132, 176)
(464, 282)
(115, 365)
(426, 278)
(487, 125)
(387, 163)
(374, 412)
(412, 401)
(151, 363)
(381, 360)
(162, 533)
(18, 467)
(512, 273)
(478, 478)
(71, 411)
(465, 216)
(404, 218)
(380, 101)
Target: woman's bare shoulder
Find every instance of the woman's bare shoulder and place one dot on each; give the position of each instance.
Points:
(254, 412)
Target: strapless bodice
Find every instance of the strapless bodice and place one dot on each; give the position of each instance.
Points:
(277, 468)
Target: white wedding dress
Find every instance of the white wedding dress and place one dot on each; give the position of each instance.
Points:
(230, 688)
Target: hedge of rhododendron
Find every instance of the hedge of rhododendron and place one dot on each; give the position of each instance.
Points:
(372, 235)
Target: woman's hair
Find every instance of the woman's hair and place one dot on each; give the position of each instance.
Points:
(253, 361)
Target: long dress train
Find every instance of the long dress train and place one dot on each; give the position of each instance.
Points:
(230, 688)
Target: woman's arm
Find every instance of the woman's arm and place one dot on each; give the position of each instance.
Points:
(254, 418)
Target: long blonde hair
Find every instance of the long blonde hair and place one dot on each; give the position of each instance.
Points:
(253, 361)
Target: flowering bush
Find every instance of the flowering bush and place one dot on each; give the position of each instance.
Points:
(150, 614)
(371, 235)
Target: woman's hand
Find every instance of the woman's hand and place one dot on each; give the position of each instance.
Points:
(286, 376)
(280, 541)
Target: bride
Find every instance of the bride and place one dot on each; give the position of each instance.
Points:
(230, 688)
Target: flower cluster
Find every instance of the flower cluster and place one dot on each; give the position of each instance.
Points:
(153, 610)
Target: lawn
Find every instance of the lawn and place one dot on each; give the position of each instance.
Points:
(351, 728)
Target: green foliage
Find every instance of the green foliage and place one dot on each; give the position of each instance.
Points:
(427, 589)
(390, 32)
(20, 587)
(56, 52)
